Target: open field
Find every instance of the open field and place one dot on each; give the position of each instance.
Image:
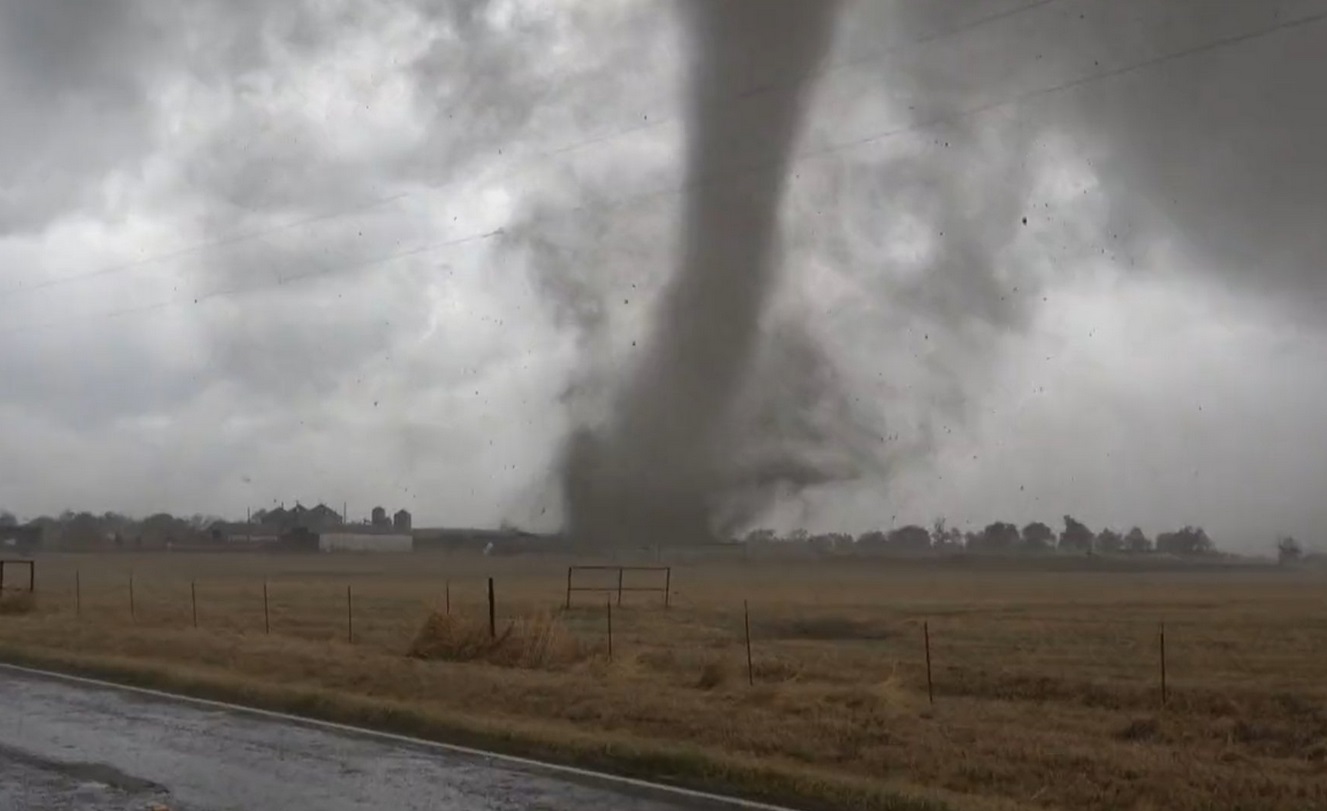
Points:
(1046, 683)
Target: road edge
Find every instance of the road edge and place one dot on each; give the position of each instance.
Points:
(88, 674)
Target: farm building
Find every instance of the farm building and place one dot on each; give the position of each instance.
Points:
(22, 539)
(490, 541)
(244, 532)
(402, 521)
(364, 539)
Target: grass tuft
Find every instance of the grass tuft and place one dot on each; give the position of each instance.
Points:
(537, 642)
(715, 674)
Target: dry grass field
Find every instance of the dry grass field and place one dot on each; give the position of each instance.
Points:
(1046, 683)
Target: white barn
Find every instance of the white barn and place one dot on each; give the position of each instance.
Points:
(351, 541)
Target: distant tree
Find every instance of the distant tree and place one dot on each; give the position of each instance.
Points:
(1038, 536)
(831, 541)
(939, 532)
(1076, 537)
(971, 540)
(1187, 542)
(1109, 541)
(82, 529)
(8, 519)
(945, 537)
(161, 529)
(798, 536)
(760, 536)
(873, 540)
(998, 537)
(1288, 550)
(200, 522)
(117, 522)
(911, 538)
(1136, 543)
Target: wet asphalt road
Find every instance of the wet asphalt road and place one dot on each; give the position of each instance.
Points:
(71, 747)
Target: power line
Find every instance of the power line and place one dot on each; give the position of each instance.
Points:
(718, 101)
(846, 146)
(231, 239)
(961, 115)
(241, 289)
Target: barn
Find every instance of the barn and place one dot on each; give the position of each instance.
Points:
(363, 539)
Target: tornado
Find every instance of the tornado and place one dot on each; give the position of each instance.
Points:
(658, 472)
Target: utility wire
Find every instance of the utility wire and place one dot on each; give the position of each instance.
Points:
(719, 103)
(832, 149)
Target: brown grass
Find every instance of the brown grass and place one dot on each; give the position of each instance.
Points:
(17, 603)
(1046, 683)
(540, 642)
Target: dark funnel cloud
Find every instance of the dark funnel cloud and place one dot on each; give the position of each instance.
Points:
(658, 470)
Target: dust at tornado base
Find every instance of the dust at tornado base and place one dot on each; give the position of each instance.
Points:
(75, 747)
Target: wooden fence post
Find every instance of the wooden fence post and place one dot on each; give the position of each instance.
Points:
(267, 613)
(350, 617)
(193, 599)
(609, 604)
(620, 570)
(746, 620)
(668, 585)
(78, 593)
(1162, 645)
(132, 614)
(447, 597)
(492, 612)
(930, 683)
(567, 606)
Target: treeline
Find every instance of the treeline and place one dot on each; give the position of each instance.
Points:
(82, 530)
(1002, 537)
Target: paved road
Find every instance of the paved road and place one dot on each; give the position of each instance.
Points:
(74, 747)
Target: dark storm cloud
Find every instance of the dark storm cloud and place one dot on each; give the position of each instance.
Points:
(68, 69)
(1200, 119)
(1217, 155)
(1225, 149)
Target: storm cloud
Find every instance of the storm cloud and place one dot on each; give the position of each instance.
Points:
(1031, 257)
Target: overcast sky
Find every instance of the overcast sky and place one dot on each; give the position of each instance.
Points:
(371, 252)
